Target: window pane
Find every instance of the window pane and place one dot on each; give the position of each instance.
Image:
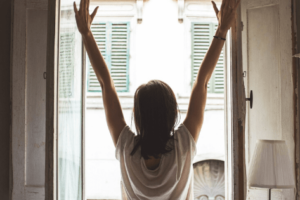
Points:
(69, 105)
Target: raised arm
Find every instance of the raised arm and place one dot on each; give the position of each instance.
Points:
(195, 114)
(113, 111)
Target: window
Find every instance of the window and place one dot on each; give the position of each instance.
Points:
(113, 41)
(66, 64)
(202, 35)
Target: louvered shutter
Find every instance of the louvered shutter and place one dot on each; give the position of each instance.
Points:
(99, 31)
(120, 55)
(202, 35)
(113, 42)
(66, 64)
(219, 72)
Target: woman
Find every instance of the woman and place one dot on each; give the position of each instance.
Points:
(157, 163)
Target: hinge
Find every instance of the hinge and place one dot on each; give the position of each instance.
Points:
(242, 26)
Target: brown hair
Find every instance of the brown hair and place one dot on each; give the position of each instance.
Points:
(155, 116)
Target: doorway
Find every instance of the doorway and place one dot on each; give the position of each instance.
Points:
(233, 171)
(87, 154)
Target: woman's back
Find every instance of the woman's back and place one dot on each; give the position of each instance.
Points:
(152, 163)
(172, 174)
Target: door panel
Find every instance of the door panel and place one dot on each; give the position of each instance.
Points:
(267, 58)
(264, 74)
(28, 101)
(35, 98)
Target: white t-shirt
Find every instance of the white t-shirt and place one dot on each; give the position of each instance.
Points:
(172, 179)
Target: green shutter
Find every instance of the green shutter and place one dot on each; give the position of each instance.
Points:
(120, 55)
(99, 31)
(66, 64)
(113, 42)
(202, 35)
(219, 72)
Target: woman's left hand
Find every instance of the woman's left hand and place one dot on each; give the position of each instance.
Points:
(227, 14)
(83, 18)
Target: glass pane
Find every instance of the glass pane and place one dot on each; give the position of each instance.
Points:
(69, 105)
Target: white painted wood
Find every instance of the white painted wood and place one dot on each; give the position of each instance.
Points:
(18, 99)
(258, 194)
(267, 58)
(51, 174)
(35, 97)
(37, 4)
(282, 194)
(264, 74)
(34, 193)
(275, 194)
(228, 121)
(28, 100)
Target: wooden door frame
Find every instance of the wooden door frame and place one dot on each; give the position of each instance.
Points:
(296, 85)
(238, 179)
(237, 97)
(51, 99)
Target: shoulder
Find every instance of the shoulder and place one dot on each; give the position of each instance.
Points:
(184, 138)
(183, 132)
(126, 137)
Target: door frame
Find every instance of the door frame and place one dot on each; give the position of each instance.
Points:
(51, 102)
(236, 140)
(296, 84)
(235, 134)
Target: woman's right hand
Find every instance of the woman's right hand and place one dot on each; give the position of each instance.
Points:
(227, 13)
(83, 18)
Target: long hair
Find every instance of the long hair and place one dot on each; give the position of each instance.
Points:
(155, 116)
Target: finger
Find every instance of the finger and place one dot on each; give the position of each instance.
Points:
(75, 8)
(94, 13)
(84, 9)
(215, 8)
(237, 4)
(87, 6)
(224, 3)
(81, 5)
(231, 3)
